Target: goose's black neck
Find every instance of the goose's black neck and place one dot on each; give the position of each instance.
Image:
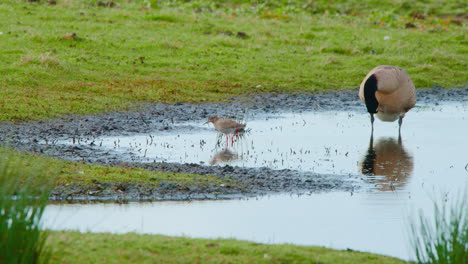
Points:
(370, 87)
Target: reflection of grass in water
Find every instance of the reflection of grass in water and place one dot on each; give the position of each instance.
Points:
(443, 240)
(24, 193)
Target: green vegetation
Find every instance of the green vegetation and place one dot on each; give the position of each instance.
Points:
(24, 193)
(132, 248)
(83, 174)
(66, 172)
(89, 56)
(92, 175)
(444, 239)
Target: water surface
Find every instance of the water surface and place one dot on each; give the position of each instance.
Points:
(401, 175)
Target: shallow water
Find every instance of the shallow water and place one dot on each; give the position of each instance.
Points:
(403, 174)
(323, 142)
(373, 222)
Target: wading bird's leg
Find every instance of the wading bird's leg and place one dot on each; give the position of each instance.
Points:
(236, 132)
(234, 135)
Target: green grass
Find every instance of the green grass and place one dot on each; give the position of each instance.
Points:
(86, 174)
(24, 193)
(443, 239)
(178, 51)
(76, 173)
(106, 248)
(189, 51)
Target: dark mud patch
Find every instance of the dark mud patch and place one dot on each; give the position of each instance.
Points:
(42, 137)
(241, 182)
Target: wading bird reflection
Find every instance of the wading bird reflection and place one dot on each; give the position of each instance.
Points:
(224, 156)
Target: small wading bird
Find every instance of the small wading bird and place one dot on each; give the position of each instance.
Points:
(226, 127)
(389, 93)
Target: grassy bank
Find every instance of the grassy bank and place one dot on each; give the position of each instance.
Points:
(81, 57)
(74, 247)
(71, 175)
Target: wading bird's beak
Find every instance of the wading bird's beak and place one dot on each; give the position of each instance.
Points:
(206, 122)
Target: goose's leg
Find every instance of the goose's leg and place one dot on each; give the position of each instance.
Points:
(372, 122)
(400, 122)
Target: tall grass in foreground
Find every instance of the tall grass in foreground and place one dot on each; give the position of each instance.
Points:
(443, 239)
(24, 193)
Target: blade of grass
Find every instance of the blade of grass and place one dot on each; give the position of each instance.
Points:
(443, 239)
(24, 193)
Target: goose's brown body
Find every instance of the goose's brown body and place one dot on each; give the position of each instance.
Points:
(394, 93)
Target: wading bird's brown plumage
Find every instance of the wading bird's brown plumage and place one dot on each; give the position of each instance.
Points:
(388, 92)
(226, 126)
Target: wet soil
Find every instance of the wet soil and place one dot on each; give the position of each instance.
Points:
(42, 137)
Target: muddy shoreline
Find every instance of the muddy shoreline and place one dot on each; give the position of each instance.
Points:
(42, 137)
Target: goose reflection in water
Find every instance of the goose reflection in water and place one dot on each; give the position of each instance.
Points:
(389, 159)
(224, 156)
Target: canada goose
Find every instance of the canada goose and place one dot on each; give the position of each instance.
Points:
(389, 92)
(226, 127)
